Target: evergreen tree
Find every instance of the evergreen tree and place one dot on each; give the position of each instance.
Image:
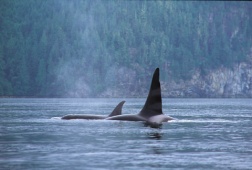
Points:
(39, 39)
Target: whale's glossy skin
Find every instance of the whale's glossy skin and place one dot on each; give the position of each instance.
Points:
(152, 111)
(115, 112)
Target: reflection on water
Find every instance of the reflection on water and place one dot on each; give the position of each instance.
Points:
(153, 125)
(208, 134)
(154, 135)
(157, 150)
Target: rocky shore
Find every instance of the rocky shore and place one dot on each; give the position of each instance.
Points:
(224, 82)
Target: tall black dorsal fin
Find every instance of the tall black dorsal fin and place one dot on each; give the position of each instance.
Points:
(153, 104)
(117, 110)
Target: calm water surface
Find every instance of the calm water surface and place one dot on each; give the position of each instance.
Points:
(208, 134)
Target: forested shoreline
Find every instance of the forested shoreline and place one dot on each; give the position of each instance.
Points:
(61, 48)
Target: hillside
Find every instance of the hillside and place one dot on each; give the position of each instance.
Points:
(52, 48)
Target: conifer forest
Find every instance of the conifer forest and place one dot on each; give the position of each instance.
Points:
(63, 48)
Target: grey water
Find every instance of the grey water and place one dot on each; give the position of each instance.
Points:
(207, 134)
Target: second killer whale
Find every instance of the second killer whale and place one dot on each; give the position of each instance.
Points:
(117, 111)
(151, 112)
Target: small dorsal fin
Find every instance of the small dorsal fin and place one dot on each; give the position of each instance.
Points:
(153, 104)
(117, 110)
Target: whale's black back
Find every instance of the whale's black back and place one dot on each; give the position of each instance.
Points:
(153, 104)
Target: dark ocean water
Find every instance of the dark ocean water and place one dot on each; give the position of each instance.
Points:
(207, 134)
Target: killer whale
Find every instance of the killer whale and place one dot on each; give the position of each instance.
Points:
(117, 111)
(151, 112)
